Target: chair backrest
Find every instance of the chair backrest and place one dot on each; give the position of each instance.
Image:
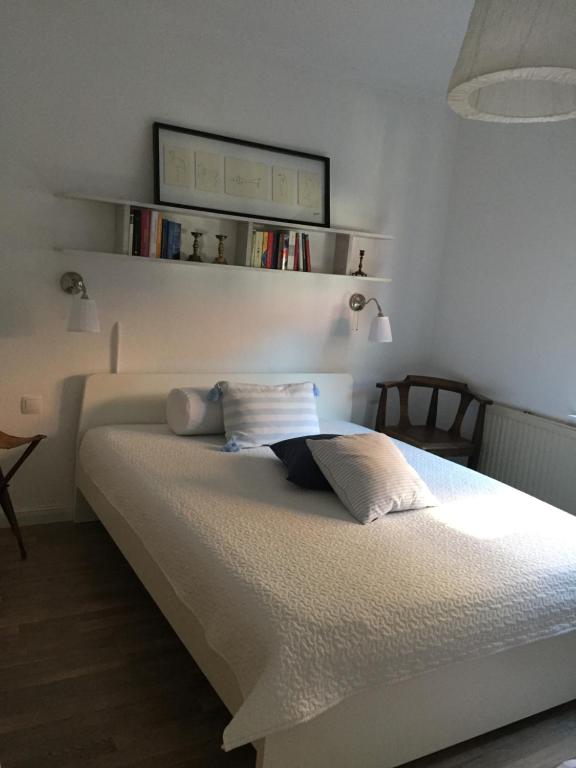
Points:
(436, 385)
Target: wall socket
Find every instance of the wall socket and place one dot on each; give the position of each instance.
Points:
(31, 404)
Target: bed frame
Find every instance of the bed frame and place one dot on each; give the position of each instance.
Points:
(381, 727)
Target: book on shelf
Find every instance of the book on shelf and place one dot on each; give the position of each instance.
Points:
(306, 252)
(145, 231)
(257, 252)
(174, 239)
(164, 242)
(266, 244)
(280, 249)
(296, 262)
(265, 237)
(285, 250)
(153, 235)
(159, 230)
(137, 234)
(131, 233)
(272, 246)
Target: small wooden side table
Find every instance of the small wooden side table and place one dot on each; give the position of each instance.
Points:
(8, 442)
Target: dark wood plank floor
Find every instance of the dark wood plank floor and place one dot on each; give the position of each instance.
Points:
(91, 674)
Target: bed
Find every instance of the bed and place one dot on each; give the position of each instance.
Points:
(331, 643)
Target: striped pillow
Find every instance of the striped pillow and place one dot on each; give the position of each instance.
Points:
(370, 475)
(260, 414)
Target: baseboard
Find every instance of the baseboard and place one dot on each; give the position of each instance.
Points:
(39, 515)
(83, 512)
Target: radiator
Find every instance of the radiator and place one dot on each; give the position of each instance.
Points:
(532, 453)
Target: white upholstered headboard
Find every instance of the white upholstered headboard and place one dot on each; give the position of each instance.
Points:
(140, 398)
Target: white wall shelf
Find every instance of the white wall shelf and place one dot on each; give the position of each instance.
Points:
(207, 265)
(207, 215)
(334, 250)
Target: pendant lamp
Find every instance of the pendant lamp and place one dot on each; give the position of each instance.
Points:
(517, 63)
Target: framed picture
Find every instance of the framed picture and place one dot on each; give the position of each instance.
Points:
(207, 172)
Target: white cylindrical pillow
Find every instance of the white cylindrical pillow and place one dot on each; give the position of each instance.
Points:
(189, 412)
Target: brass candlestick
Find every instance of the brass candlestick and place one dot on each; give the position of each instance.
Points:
(220, 258)
(195, 255)
(359, 272)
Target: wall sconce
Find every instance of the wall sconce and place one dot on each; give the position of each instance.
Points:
(380, 327)
(84, 313)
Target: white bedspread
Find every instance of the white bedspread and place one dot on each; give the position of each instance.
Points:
(309, 607)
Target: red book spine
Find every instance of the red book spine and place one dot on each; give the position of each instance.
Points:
(270, 251)
(145, 228)
(296, 267)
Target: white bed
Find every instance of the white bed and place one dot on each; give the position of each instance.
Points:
(335, 644)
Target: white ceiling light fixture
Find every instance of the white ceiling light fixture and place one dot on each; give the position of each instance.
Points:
(517, 63)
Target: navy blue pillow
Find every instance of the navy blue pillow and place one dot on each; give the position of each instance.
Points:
(302, 469)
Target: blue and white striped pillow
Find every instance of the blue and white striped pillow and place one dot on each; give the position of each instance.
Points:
(260, 414)
(370, 475)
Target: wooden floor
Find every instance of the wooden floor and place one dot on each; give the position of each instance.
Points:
(91, 674)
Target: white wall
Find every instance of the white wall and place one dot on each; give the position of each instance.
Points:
(506, 311)
(80, 85)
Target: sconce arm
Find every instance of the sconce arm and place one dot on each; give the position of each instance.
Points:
(358, 301)
(380, 312)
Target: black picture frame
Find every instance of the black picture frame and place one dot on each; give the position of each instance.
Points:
(240, 207)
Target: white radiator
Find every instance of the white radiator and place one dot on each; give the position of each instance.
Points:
(532, 453)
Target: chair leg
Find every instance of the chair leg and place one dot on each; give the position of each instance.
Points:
(6, 504)
(473, 460)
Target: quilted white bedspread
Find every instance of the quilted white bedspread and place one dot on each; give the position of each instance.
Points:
(309, 607)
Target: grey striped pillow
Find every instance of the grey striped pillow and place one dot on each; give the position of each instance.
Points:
(370, 475)
(260, 414)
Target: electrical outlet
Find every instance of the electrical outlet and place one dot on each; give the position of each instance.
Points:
(31, 404)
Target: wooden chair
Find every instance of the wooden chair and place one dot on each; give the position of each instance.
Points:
(443, 442)
(8, 442)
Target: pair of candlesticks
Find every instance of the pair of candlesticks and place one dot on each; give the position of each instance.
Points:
(195, 255)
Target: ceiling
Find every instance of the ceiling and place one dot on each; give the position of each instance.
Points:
(408, 44)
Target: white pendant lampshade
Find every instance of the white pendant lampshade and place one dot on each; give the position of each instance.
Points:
(380, 329)
(84, 316)
(517, 63)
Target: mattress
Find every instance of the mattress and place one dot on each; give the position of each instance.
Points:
(308, 607)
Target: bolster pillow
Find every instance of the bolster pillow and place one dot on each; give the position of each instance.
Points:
(190, 412)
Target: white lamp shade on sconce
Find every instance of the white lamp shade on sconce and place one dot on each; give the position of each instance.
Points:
(380, 329)
(517, 63)
(84, 316)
